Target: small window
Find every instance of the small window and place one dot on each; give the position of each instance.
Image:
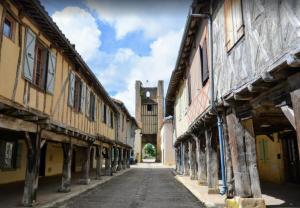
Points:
(148, 94)
(111, 119)
(204, 62)
(40, 66)
(189, 89)
(104, 113)
(149, 107)
(234, 25)
(77, 94)
(123, 121)
(7, 155)
(92, 110)
(8, 27)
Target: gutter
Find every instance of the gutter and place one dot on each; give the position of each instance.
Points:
(212, 107)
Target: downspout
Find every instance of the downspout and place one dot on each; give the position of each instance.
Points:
(220, 123)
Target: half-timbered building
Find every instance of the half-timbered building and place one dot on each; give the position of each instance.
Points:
(55, 116)
(234, 97)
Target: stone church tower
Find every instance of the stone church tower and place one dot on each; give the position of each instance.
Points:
(149, 113)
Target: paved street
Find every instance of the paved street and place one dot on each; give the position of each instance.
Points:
(138, 188)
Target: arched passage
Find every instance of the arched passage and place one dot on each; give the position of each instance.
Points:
(149, 153)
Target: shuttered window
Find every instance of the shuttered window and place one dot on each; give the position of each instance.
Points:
(83, 96)
(234, 26)
(9, 27)
(189, 89)
(71, 89)
(40, 70)
(29, 55)
(104, 113)
(111, 119)
(92, 107)
(51, 72)
(39, 64)
(77, 94)
(204, 62)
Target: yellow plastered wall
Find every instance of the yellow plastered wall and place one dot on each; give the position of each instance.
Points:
(270, 159)
(54, 159)
(8, 176)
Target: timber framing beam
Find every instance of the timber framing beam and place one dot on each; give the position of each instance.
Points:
(15, 124)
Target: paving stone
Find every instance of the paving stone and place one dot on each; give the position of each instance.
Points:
(139, 188)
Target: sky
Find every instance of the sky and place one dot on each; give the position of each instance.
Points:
(124, 40)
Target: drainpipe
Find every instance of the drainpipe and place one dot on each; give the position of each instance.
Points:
(220, 123)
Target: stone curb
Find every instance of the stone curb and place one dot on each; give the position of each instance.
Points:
(76, 193)
(206, 203)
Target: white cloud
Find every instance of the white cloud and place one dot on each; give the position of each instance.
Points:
(152, 18)
(80, 28)
(157, 66)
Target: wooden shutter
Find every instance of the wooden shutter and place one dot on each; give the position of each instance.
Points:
(29, 55)
(204, 62)
(94, 107)
(238, 24)
(87, 107)
(71, 89)
(229, 41)
(189, 89)
(107, 115)
(51, 72)
(83, 95)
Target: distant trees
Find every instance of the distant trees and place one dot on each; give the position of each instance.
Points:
(149, 151)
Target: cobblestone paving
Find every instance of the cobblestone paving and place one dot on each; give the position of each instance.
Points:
(138, 188)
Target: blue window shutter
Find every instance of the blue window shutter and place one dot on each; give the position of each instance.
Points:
(29, 55)
(71, 89)
(83, 95)
(51, 72)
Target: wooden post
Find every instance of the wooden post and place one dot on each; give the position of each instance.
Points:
(242, 183)
(192, 159)
(85, 178)
(186, 159)
(122, 158)
(128, 158)
(108, 162)
(99, 162)
(228, 162)
(176, 158)
(201, 160)
(295, 97)
(67, 163)
(32, 171)
(182, 149)
(251, 157)
(212, 162)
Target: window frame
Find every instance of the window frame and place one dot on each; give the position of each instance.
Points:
(234, 21)
(12, 22)
(92, 107)
(104, 113)
(149, 106)
(13, 165)
(77, 94)
(111, 119)
(41, 85)
(204, 60)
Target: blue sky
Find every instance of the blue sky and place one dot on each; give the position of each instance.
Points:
(124, 40)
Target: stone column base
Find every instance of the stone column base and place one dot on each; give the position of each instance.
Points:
(238, 202)
(84, 181)
(213, 191)
(202, 183)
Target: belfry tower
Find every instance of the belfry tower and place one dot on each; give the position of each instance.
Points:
(149, 113)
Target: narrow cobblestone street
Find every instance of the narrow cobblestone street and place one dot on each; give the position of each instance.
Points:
(138, 188)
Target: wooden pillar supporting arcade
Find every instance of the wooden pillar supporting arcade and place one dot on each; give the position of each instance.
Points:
(177, 157)
(295, 97)
(201, 160)
(67, 162)
(182, 160)
(98, 162)
(32, 171)
(128, 158)
(192, 159)
(243, 155)
(186, 159)
(85, 178)
(212, 162)
(108, 161)
(228, 162)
